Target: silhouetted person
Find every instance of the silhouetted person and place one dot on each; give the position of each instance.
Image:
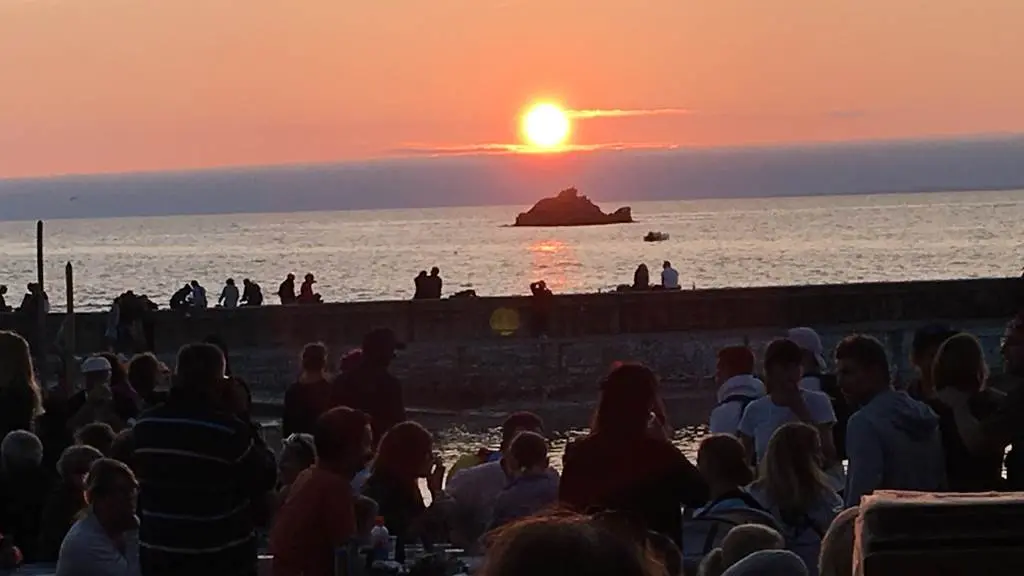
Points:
(179, 300)
(32, 306)
(641, 278)
(306, 294)
(203, 470)
(370, 387)
(34, 298)
(287, 290)
(541, 303)
(198, 295)
(134, 327)
(252, 294)
(669, 276)
(3, 300)
(420, 281)
(229, 295)
(435, 283)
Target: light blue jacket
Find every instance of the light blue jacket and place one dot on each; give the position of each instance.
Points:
(893, 443)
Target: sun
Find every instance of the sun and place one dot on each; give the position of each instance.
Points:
(545, 125)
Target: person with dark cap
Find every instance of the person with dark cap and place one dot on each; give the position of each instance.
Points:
(370, 387)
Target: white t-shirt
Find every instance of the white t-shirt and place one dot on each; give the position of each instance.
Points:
(88, 551)
(670, 278)
(763, 417)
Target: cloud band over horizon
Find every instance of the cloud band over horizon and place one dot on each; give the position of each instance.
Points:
(586, 114)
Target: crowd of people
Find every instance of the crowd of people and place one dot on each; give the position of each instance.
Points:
(123, 478)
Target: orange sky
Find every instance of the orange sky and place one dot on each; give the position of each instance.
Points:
(124, 85)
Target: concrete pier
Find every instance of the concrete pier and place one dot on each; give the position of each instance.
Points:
(477, 352)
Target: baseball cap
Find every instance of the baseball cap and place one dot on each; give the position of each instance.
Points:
(809, 341)
(381, 338)
(95, 364)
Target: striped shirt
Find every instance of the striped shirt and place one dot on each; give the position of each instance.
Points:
(199, 472)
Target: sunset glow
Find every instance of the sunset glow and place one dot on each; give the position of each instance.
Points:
(546, 126)
(104, 86)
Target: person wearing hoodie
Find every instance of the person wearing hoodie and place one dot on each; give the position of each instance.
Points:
(893, 442)
(737, 387)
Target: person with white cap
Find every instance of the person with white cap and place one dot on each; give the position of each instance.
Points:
(817, 379)
(97, 402)
(814, 356)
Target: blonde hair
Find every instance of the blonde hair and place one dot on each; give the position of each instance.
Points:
(836, 557)
(16, 369)
(960, 363)
(790, 472)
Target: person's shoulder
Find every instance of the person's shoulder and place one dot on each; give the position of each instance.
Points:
(81, 537)
(756, 409)
(168, 413)
(860, 422)
(759, 403)
(473, 473)
(816, 397)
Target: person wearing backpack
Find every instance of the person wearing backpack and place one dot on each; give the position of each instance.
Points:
(737, 387)
(793, 488)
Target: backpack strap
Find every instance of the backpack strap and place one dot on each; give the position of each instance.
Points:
(741, 398)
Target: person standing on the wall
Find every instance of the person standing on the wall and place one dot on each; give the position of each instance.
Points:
(370, 387)
(541, 308)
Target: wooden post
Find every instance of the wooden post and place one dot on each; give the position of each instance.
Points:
(69, 327)
(40, 343)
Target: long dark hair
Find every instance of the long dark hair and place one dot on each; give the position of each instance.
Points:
(118, 372)
(402, 451)
(16, 373)
(627, 397)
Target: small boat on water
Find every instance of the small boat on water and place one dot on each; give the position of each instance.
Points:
(655, 237)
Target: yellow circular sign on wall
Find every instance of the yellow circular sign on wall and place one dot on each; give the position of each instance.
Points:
(505, 321)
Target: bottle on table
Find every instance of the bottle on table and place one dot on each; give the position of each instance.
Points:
(380, 540)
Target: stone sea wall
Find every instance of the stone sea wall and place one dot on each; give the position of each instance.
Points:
(481, 351)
